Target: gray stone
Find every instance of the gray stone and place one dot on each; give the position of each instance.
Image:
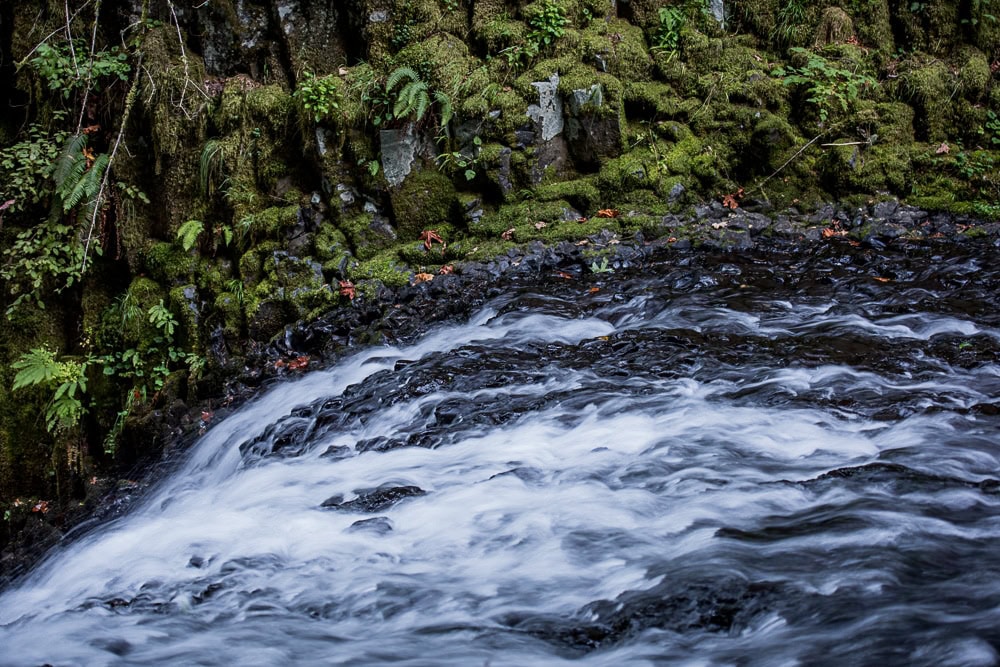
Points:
(676, 192)
(548, 113)
(399, 150)
(718, 10)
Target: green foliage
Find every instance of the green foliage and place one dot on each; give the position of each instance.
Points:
(78, 174)
(210, 163)
(26, 168)
(457, 160)
(547, 24)
(791, 17)
(413, 99)
(64, 72)
(189, 232)
(47, 257)
(992, 128)
(602, 267)
(668, 34)
(319, 96)
(827, 85)
(66, 378)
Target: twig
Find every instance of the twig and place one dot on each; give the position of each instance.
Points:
(848, 143)
(760, 186)
(90, 70)
(49, 36)
(69, 38)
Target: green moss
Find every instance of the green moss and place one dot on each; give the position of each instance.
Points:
(581, 194)
(367, 234)
(425, 200)
(384, 267)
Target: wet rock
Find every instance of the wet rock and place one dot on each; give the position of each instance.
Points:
(378, 525)
(547, 115)
(399, 151)
(373, 500)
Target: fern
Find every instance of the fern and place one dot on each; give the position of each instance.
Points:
(35, 367)
(71, 163)
(444, 103)
(189, 232)
(398, 75)
(210, 166)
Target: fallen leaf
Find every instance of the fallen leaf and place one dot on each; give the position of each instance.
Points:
(298, 363)
(672, 239)
(582, 242)
(594, 290)
(608, 213)
(581, 219)
(422, 278)
(342, 71)
(540, 225)
(830, 232)
(88, 154)
(206, 416)
(90, 129)
(280, 363)
(943, 148)
(508, 235)
(720, 225)
(41, 506)
(429, 236)
(564, 275)
(729, 201)
(883, 280)
(446, 269)
(347, 289)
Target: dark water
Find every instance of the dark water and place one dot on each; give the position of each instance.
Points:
(723, 460)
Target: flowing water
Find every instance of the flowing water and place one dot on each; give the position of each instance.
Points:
(721, 460)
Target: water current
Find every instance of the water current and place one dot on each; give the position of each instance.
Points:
(716, 460)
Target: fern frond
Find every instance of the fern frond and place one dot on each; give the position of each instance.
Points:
(423, 102)
(35, 367)
(189, 232)
(398, 75)
(87, 188)
(444, 102)
(71, 162)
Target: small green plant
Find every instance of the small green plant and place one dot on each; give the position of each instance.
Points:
(547, 24)
(992, 128)
(64, 71)
(67, 379)
(602, 267)
(789, 20)
(828, 86)
(189, 232)
(457, 160)
(667, 37)
(413, 99)
(319, 96)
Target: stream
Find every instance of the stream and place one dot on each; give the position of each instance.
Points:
(719, 459)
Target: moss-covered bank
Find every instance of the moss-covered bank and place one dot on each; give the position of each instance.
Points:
(278, 160)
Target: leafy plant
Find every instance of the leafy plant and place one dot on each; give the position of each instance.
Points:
(189, 232)
(602, 267)
(455, 160)
(790, 18)
(67, 378)
(827, 86)
(64, 72)
(413, 99)
(26, 167)
(45, 255)
(319, 96)
(667, 37)
(993, 127)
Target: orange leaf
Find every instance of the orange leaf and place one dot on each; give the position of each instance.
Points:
(422, 278)
(429, 236)
(564, 275)
(347, 289)
(298, 363)
(883, 280)
(729, 201)
(608, 213)
(672, 239)
(446, 269)
(508, 235)
(594, 290)
(581, 219)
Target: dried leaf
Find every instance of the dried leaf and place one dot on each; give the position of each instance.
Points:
(90, 129)
(594, 290)
(582, 219)
(429, 237)
(883, 280)
(564, 275)
(582, 242)
(672, 239)
(540, 225)
(422, 278)
(446, 270)
(508, 235)
(830, 232)
(608, 213)
(729, 201)
(943, 148)
(298, 363)
(347, 289)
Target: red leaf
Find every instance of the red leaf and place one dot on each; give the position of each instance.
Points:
(446, 269)
(608, 213)
(347, 289)
(298, 363)
(429, 237)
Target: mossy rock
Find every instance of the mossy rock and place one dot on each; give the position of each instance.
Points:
(385, 268)
(425, 200)
(928, 87)
(368, 234)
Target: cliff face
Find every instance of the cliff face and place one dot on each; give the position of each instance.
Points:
(185, 179)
